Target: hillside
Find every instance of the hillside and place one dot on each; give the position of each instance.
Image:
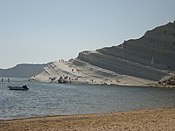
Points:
(22, 70)
(143, 60)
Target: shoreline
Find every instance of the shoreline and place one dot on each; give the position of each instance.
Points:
(114, 85)
(146, 119)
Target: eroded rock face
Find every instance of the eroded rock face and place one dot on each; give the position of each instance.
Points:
(146, 57)
(137, 62)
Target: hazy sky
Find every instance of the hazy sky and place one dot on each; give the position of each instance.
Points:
(40, 31)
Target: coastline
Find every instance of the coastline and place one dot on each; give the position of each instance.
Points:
(149, 85)
(66, 72)
(147, 119)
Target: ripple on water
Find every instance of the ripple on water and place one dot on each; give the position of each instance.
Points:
(60, 99)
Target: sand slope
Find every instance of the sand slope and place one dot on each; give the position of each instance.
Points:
(143, 120)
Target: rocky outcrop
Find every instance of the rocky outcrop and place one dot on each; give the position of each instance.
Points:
(148, 57)
(134, 62)
(77, 71)
(121, 65)
(156, 48)
(168, 80)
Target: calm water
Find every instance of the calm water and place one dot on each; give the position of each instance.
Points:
(59, 99)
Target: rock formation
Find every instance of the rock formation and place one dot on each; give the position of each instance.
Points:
(148, 58)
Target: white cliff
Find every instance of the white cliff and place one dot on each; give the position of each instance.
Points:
(138, 62)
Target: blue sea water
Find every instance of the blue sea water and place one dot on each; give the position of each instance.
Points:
(45, 99)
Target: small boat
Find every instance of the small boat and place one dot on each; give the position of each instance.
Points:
(21, 88)
(62, 81)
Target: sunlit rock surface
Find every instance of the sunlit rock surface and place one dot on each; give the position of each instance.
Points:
(134, 62)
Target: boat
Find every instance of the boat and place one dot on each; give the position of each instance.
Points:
(62, 81)
(21, 88)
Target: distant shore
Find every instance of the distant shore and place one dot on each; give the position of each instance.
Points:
(148, 119)
(151, 85)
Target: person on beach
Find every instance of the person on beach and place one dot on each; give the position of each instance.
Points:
(8, 80)
(2, 80)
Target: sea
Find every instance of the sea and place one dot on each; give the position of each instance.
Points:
(46, 99)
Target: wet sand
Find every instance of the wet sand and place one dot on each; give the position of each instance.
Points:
(157, 119)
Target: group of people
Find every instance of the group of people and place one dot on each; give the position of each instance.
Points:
(2, 80)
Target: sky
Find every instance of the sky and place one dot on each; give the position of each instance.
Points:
(41, 31)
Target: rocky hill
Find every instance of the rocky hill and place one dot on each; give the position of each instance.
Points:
(22, 70)
(148, 58)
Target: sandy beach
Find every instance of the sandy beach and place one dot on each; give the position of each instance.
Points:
(148, 120)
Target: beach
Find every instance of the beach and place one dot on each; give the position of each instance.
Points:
(140, 120)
